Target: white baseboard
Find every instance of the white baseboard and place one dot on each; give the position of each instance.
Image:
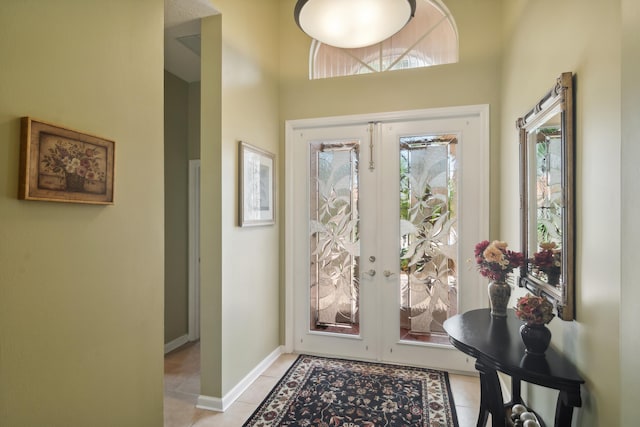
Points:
(172, 345)
(210, 403)
(216, 404)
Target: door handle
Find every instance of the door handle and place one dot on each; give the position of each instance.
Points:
(387, 273)
(371, 272)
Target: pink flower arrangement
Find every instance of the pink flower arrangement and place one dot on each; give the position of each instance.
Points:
(495, 261)
(534, 310)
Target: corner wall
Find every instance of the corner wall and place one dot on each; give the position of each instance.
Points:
(543, 39)
(248, 278)
(211, 209)
(630, 196)
(240, 278)
(81, 286)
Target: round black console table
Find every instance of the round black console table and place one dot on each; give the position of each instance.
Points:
(496, 345)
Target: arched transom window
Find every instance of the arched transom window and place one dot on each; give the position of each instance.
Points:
(430, 38)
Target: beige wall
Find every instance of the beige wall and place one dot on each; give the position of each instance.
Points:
(176, 275)
(249, 272)
(630, 196)
(81, 287)
(211, 210)
(240, 304)
(582, 37)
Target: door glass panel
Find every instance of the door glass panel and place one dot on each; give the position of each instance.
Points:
(428, 230)
(334, 240)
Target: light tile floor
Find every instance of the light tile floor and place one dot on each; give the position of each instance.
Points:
(182, 387)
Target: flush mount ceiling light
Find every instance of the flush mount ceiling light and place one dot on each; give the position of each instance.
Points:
(353, 23)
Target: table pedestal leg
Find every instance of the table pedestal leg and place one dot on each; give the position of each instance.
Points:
(515, 391)
(490, 397)
(564, 408)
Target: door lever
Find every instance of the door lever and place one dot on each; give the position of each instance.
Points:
(387, 273)
(371, 272)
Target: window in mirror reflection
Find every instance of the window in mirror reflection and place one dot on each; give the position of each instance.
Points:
(547, 244)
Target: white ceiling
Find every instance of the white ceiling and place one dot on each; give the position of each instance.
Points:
(182, 18)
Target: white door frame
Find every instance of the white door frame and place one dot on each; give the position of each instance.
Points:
(292, 126)
(194, 250)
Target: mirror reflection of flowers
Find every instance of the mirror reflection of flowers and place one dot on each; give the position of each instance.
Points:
(495, 261)
(534, 310)
(548, 256)
(548, 259)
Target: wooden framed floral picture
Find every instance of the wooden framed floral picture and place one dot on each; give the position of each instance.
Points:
(257, 186)
(63, 165)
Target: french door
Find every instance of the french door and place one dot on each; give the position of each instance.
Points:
(382, 212)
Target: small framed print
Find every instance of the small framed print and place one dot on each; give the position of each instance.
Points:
(257, 186)
(63, 165)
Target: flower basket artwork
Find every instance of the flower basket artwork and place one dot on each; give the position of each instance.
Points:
(536, 312)
(496, 262)
(59, 164)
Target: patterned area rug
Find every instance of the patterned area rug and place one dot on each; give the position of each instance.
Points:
(318, 391)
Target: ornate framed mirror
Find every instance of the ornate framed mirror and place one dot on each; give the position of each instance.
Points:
(547, 182)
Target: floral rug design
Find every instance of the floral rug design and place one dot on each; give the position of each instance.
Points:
(323, 392)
